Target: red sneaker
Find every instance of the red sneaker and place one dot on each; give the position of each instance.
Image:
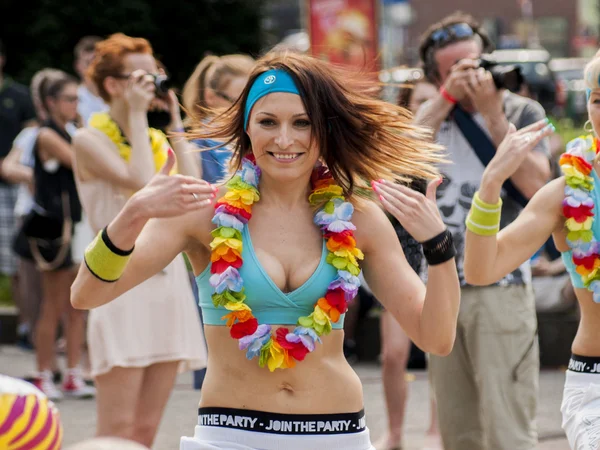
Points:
(74, 385)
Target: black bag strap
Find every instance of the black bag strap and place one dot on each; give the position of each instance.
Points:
(483, 147)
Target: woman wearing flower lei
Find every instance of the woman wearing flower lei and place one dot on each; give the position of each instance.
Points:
(567, 209)
(139, 341)
(278, 253)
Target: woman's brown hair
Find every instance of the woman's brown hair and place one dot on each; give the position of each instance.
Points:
(109, 56)
(37, 80)
(360, 137)
(52, 85)
(214, 72)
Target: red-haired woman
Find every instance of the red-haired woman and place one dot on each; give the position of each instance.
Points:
(140, 341)
(275, 275)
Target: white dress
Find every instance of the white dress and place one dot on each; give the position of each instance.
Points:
(154, 322)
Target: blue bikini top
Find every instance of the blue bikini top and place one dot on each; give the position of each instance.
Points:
(567, 256)
(270, 305)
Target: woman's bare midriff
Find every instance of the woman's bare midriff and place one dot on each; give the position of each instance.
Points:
(324, 383)
(587, 339)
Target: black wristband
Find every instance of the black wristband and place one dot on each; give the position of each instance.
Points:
(439, 249)
(112, 247)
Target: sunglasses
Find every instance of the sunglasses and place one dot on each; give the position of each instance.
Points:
(444, 35)
(69, 98)
(125, 76)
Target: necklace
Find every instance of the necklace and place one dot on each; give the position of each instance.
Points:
(578, 209)
(281, 348)
(158, 141)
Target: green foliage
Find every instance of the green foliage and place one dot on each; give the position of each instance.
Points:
(181, 31)
(567, 129)
(5, 291)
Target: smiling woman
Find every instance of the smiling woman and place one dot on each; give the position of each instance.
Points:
(344, 115)
(277, 260)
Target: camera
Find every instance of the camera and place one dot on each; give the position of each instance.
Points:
(162, 84)
(505, 76)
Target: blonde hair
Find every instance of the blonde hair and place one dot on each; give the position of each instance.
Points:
(212, 72)
(37, 81)
(592, 73)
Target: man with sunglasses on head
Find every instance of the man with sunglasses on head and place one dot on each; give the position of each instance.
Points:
(487, 387)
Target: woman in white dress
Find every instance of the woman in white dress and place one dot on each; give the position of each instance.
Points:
(139, 342)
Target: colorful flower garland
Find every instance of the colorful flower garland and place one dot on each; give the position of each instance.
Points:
(158, 140)
(281, 349)
(578, 208)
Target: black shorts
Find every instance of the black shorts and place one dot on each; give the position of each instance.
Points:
(49, 251)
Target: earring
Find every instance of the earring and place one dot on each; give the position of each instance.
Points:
(588, 127)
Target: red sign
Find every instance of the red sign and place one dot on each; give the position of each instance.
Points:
(344, 31)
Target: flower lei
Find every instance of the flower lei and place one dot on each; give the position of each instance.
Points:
(578, 209)
(158, 141)
(281, 349)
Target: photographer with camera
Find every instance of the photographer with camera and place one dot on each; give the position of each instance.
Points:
(487, 387)
(140, 341)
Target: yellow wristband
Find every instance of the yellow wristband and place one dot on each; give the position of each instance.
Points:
(106, 261)
(484, 218)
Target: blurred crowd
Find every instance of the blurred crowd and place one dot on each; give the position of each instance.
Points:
(62, 180)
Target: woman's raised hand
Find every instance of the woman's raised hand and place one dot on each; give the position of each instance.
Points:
(515, 147)
(173, 195)
(416, 212)
(140, 90)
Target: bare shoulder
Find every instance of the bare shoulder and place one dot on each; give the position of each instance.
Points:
(86, 140)
(198, 224)
(371, 224)
(550, 196)
(546, 204)
(47, 134)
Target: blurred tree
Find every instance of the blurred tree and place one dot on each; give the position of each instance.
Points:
(42, 33)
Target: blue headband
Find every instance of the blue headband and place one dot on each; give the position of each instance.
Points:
(274, 80)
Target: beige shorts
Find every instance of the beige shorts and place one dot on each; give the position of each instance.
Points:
(487, 388)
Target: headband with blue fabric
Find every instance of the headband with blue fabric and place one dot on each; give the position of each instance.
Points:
(274, 80)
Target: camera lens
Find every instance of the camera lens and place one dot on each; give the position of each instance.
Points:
(162, 84)
(513, 80)
(508, 77)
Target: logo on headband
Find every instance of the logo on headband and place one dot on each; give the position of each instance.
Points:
(270, 79)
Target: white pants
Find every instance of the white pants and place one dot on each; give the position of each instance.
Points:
(581, 410)
(220, 438)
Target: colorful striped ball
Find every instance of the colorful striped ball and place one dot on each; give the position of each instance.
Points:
(28, 420)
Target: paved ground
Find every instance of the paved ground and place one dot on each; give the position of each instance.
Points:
(79, 416)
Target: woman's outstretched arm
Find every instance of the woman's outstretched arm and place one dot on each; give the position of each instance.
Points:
(490, 255)
(490, 258)
(155, 223)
